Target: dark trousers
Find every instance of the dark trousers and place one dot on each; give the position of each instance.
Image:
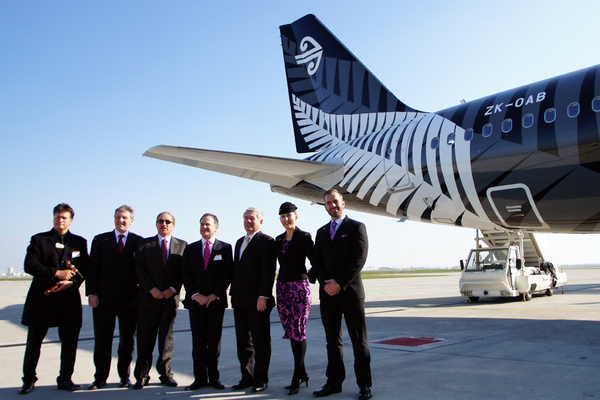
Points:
(253, 334)
(68, 335)
(153, 322)
(353, 311)
(207, 326)
(104, 328)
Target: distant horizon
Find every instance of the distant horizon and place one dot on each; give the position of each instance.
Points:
(365, 269)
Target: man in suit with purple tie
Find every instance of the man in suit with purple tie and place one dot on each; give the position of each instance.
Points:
(339, 255)
(158, 269)
(111, 288)
(206, 272)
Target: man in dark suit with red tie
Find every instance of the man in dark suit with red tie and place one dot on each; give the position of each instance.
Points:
(111, 288)
(206, 272)
(252, 301)
(57, 260)
(339, 255)
(158, 268)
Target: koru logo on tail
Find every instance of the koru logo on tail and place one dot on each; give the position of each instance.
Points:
(311, 54)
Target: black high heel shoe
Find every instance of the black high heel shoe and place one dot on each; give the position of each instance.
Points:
(294, 387)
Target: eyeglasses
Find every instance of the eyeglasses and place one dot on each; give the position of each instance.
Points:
(164, 221)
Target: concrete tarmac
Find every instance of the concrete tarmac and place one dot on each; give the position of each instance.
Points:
(494, 349)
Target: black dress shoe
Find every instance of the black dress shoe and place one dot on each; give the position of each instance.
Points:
(68, 385)
(141, 383)
(97, 385)
(217, 384)
(260, 387)
(125, 382)
(167, 380)
(365, 393)
(327, 390)
(196, 385)
(27, 387)
(241, 385)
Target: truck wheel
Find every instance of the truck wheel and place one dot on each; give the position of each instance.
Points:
(474, 299)
(527, 296)
(549, 292)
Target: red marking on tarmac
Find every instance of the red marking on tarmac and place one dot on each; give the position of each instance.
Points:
(410, 342)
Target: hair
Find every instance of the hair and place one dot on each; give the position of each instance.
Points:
(165, 213)
(259, 214)
(125, 208)
(213, 216)
(64, 207)
(333, 191)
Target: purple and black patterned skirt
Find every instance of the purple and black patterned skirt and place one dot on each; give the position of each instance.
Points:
(293, 305)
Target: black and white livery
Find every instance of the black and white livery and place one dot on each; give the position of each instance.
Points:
(524, 159)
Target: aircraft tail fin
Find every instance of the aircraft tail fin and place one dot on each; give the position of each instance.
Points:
(326, 81)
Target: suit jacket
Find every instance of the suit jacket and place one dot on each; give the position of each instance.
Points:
(151, 272)
(254, 273)
(42, 261)
(111, 275)
(342, 258)
(292, 264)
(214, 279)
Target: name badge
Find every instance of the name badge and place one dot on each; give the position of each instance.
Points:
(75, 254)
(59, 246)
(218, 257)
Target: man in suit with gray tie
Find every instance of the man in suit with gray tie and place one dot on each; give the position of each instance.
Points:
(158, 268)
(252, 300)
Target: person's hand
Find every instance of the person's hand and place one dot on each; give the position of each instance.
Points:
(210, 298)
(62, 285)
(167, 294)
(261, 304)
(157, 294)
(64, 274)
(93, 301)
(201, 299)
(331, 287)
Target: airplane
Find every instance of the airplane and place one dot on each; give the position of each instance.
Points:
(526, 159)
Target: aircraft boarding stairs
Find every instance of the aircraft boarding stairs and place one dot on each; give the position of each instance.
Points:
(533, 246)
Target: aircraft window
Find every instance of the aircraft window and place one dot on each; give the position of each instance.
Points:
(435, 143)
(573, 110)
(507, 125)
(528, 120)
(550, 115)
(596, 104)
(469, 134)
(487, 130)
(451, 139)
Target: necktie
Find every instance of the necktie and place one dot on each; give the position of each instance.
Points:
(244, 245)
(164, 251)
(121, 245)
(332, 229)
(206, 254)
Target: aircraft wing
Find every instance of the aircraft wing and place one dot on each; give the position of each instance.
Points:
(279, 171)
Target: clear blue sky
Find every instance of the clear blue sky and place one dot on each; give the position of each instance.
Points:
(86, 87)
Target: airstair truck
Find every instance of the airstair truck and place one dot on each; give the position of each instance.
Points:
(502, 270)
